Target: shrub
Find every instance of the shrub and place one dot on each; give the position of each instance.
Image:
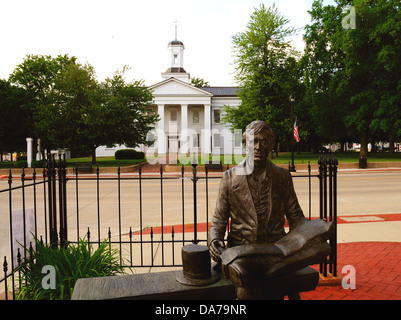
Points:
(21, 164)
(129, 154)
(7, 164)
(70, 263)
(38, 163)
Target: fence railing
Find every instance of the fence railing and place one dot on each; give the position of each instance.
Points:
(143, 215)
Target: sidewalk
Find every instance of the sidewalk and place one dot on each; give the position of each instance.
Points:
(378, 273)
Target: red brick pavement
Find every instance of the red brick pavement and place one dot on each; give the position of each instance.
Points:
(378, 273)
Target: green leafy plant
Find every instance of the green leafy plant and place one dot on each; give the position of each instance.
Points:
(75, 261)
(129, 154)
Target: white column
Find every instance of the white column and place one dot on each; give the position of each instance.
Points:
(184, 129)
(207, 131)
(161, 135)
(29, 151)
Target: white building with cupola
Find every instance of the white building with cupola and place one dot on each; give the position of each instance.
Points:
(190, 116)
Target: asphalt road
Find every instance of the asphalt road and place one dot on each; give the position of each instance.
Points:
(103, 207)
(370, 193)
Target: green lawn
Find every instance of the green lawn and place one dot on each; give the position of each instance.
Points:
(105, 161)
(283, 158)
(305, 157)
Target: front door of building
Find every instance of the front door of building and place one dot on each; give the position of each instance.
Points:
(173, 148)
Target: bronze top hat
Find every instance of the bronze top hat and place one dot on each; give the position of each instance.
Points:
(197, 270)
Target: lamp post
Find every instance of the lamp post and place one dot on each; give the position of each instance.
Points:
(292, 166)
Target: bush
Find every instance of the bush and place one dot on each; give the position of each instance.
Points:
(38, 163)
(128, 154)
(7, 165)
(21, 164)
(70, 263)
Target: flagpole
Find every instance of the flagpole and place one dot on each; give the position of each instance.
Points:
(292, 166)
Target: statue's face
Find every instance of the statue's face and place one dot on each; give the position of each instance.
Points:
(261, 148)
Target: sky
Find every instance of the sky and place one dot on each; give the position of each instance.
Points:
(111, 34)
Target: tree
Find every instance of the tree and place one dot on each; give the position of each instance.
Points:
(199, 82)
(80, 113)
(16, 116)
(319, 64)
(73, 110)
(266, 71)
(352, 75)
(37, 74)
(126, 111)
(64, 116)
(385, 35)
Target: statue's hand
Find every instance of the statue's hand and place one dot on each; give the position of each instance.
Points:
(216, 248)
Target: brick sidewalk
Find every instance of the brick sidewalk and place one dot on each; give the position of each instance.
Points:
(378, 273)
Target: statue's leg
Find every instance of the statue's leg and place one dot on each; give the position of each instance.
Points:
(243, 271)
(246, 275)
(249, 292)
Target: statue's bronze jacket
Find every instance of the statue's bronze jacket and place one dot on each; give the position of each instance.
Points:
(235, 202)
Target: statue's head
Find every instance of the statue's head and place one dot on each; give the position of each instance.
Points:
(263, 140)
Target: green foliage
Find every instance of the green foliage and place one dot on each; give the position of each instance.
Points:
(38, 163)
(36, 76)
(14, 164)
(129, 154)
(266, 70)
(125, 114)
(71, 263)
(36, 73)
(65, 117)
(73, 110)
(352, 76)
(15, 117)
(7, 165)
(199, 82)
(21, 164)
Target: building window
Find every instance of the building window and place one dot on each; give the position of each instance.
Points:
(195, 116)
(216, 140)
(173, 115)
(175, 58)
(216, 116)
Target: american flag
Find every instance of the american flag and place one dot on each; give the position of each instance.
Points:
(296, 133)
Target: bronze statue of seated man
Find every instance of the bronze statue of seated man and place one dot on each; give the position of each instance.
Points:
(255, 197)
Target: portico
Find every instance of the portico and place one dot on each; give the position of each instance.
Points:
(185, 117)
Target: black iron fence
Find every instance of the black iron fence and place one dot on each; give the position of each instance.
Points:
(148, 217)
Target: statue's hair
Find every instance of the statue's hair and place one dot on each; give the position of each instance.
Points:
(260, 126)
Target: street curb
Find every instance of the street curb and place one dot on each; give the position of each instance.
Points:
(302, 166)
